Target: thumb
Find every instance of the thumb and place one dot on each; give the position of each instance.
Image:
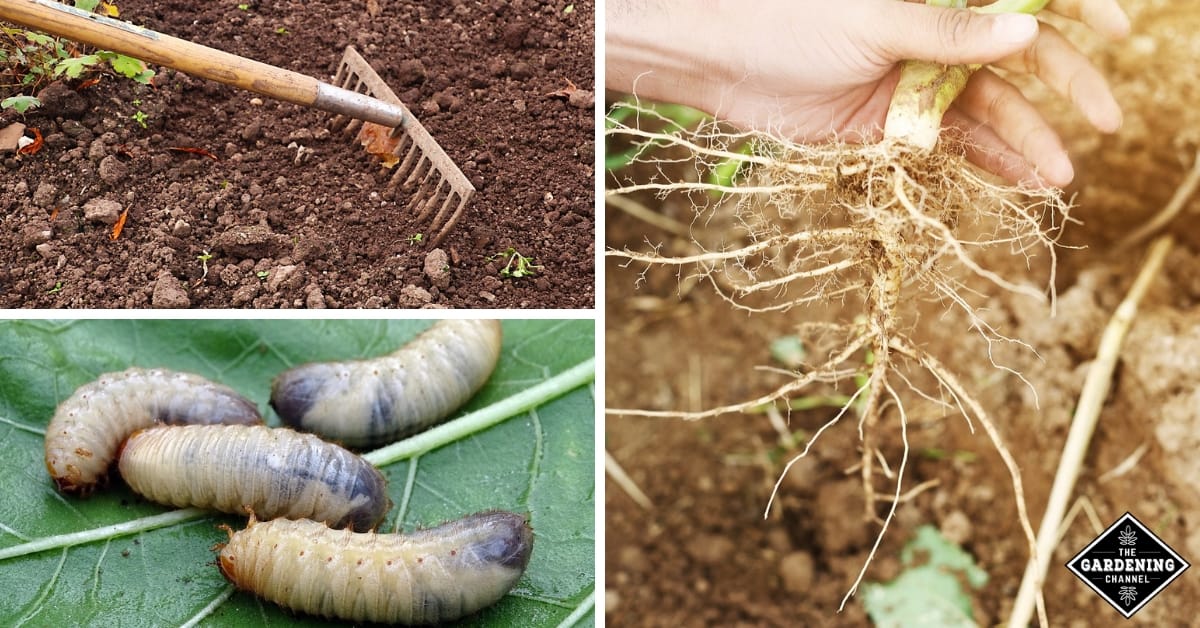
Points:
(952, 36)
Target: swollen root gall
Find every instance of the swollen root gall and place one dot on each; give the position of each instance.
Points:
(430, 576)
(276, 472)
(366, 403)
(83, 437)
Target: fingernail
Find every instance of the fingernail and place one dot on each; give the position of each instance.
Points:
(1059, 170)
(1014, 28)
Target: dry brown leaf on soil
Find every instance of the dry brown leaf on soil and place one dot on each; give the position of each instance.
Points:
(378, 141)
(120, 224)
(35, 146)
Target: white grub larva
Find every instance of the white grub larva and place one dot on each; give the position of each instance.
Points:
(83, 437)
(366, 403)
(435, 575)
(275, 472)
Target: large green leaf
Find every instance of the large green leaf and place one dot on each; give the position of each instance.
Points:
(539, 461)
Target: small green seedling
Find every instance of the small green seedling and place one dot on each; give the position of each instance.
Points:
(516, 265)
(244, 7)
(20, 103)
(58, 286)
(262, 275)
(140, 117)
(282, 31)
(204, 257)
(416, 238)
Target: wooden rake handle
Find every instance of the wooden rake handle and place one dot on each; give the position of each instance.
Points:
(201, 61)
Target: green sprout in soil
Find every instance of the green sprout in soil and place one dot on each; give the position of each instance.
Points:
(416, 238)
(204, 257)
(140, 117)
(516, 265)
(58, 286)
(880, 225)
(20, 103)
(243, 7)
(262, 275)
(282, 31)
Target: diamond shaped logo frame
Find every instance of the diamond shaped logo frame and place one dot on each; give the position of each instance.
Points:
(1127, 565)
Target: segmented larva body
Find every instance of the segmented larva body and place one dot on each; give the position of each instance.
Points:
(365, 403)
(83, 437)
(276, 472)
(430, 576)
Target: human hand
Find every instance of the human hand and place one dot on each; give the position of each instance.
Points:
(812, 70)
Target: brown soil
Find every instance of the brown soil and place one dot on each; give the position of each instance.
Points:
(705, 556)
(323, 232)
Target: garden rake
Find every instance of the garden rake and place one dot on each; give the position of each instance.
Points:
(423, 168)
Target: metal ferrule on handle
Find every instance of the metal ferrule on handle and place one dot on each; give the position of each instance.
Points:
(362, 107)
(197, 60)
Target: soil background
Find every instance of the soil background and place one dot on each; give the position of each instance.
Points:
(322, 231)
(705, 556)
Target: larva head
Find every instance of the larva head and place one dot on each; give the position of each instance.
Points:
(70, 481)
(509, 541)
(373, 503)
(227, 563)
(294, 391)
(67, 475)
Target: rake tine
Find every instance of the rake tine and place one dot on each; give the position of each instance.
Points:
(441, 215)
(442, 187)
(421, 171)
(453, 218)
(424, 191)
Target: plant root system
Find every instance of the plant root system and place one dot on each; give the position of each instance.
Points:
(884, 228)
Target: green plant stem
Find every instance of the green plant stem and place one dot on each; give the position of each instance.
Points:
(113, 531)
(926, 90)
(444, 434)
(583, 609)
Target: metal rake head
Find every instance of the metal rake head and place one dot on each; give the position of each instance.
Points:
(424, 169)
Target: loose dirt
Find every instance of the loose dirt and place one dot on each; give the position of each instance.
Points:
(705, 556)
(291, 214)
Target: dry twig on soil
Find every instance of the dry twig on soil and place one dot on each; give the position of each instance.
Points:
(1087, 413)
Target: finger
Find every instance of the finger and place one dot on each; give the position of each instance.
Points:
(952, 36)
(997, 103)
(985, 149)
(1103, 16)
(1061, 66)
